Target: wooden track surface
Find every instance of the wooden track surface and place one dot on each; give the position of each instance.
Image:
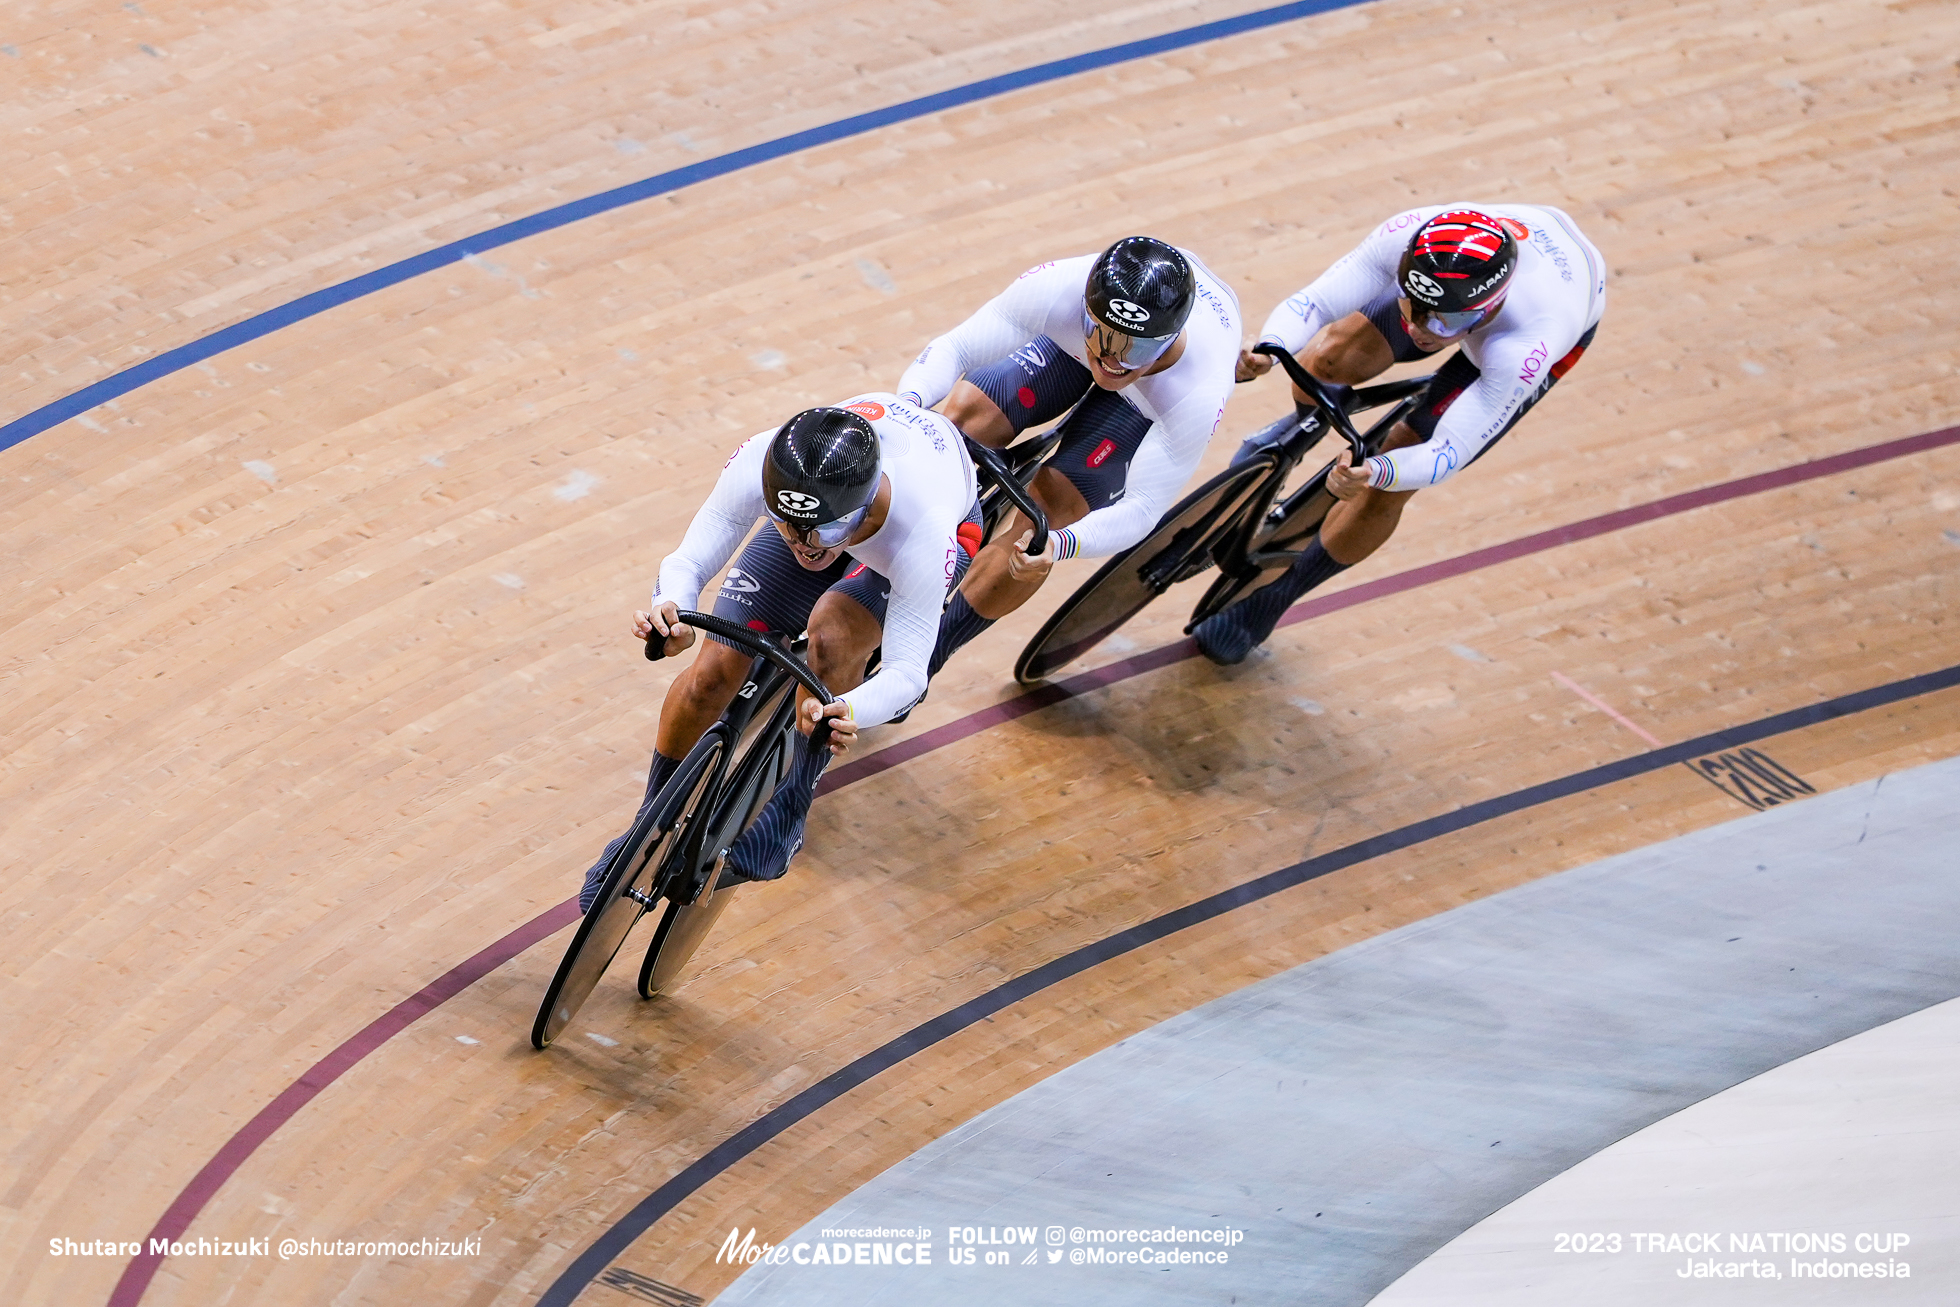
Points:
(314, 659)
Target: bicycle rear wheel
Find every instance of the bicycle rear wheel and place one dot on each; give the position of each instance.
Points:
(682, 929)
(1178, 548)
(695, 903)
(627, 890)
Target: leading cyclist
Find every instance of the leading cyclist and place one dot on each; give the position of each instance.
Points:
(1515, 285)
(873, 515)
(1141, 342)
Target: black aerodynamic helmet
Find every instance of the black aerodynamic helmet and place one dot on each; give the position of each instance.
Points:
(1141, 287)
(821, 474)
(1459, 262)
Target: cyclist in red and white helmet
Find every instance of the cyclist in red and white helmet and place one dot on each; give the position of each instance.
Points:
(1515, 286)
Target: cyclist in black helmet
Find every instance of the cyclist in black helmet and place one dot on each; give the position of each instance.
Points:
(1140, 342)
(1515, 285)
(870, 516)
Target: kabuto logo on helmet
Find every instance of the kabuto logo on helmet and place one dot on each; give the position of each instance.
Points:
(797, 504)
(1422, 287)
(1128, 314)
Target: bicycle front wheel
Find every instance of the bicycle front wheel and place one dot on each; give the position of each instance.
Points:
(1178, 548)
(627, 891)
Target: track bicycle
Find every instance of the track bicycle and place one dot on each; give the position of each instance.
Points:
(677, 845)
(1237, 522)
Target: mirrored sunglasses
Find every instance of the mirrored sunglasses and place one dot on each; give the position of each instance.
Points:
(828, 535)
(1120, 352)
(1438, 323)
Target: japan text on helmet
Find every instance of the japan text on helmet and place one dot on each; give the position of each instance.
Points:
(1141, 289)
(1459, 262)
(821, 474)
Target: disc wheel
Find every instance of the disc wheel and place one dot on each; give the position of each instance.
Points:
(683, 926)
(1179, 547)
(694, 902)
(629, 888)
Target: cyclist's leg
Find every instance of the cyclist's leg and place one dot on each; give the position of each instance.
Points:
(1354, 528)
(1089, 469)
(990, 591)
(1035, 384)
(974, 413)
(845, 626)
(842, 635)
(766, 590)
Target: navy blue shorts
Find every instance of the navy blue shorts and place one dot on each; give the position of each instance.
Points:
(768, 590)
(1038, 383)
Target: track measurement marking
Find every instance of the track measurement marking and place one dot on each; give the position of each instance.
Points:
(1603, 706)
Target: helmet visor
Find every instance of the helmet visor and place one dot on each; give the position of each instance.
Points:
(828, 535)
(1438, 323)
(1118, 351)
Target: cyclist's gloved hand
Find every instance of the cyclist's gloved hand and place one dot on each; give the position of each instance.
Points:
(666, 618)
(843, 731)
(1023, 566)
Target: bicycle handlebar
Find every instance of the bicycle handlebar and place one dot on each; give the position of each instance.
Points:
(990, 462)
(759, 645)
(1310, 384)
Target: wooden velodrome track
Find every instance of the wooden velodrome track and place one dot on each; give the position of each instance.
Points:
(316, 672)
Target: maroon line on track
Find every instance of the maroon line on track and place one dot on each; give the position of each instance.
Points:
(1046, 696)
(205, 1184)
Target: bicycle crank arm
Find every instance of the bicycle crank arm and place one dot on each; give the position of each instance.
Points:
(1270, 558)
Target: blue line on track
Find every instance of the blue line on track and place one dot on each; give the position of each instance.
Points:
(306, 306)
(615, 1241)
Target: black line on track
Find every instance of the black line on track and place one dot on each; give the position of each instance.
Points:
(608, 1246)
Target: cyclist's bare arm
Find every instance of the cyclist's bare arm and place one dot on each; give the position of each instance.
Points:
(1347, 352)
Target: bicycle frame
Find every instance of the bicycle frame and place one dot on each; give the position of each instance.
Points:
(1244, 546)
(1236, 520)
(762, 709)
